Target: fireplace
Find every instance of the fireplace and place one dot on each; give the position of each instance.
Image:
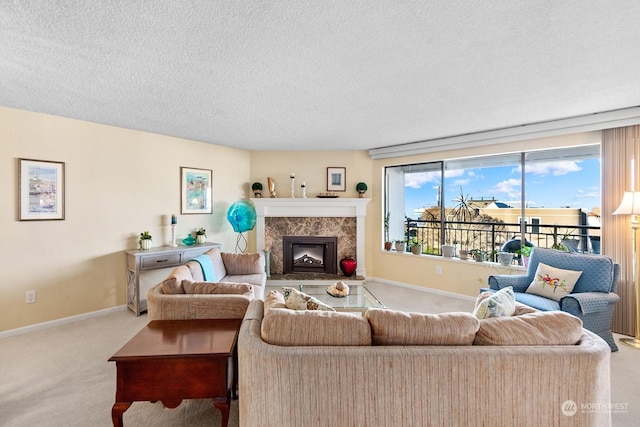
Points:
(340, 217)
(309, 254)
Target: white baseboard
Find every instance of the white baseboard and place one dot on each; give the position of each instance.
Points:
(421, 288)
(58, 322)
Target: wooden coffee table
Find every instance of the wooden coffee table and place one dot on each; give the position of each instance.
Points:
(172, 360)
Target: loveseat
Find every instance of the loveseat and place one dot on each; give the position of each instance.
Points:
(236, 279)
(391, 368)
(591, 299)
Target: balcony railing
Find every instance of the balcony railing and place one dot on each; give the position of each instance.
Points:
(490, 237)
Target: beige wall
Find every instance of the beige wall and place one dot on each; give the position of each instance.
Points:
(118, 183)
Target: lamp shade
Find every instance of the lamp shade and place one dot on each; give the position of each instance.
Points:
(630, 204)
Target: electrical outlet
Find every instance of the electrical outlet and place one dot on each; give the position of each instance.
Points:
(31, 297)
(438, 269)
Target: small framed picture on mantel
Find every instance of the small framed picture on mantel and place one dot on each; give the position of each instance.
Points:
(336, 179)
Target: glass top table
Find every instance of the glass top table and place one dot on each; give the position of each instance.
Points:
(359, 299)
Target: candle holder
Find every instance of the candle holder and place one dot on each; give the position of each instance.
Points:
(173, 236)
(293, 186)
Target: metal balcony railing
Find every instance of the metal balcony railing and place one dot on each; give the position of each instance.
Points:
(490, 237)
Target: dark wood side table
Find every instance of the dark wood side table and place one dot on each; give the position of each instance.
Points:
(172, 360)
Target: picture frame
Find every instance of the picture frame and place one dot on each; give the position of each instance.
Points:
(336, 179)
(196, 195)
(41, 190)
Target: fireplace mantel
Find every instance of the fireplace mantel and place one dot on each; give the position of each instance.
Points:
(314, 207)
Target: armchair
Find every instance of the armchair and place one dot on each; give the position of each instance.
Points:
(592, 299)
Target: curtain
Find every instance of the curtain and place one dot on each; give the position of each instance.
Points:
(619, 148)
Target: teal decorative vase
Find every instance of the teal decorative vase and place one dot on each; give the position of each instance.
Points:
(189, 240)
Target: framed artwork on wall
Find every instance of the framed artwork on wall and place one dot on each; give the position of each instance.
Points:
(41, 190)
(195, 191)
(336, 178)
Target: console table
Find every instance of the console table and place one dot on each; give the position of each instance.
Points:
(161, 257)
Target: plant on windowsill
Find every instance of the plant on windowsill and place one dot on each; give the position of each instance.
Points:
(400, 245)
(387, 243)
(525, 253)
(201, 235)
(145, 240)
(416, 246)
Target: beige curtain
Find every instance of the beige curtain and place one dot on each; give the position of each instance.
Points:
(619, 147)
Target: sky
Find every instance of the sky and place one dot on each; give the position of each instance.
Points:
(574, 184)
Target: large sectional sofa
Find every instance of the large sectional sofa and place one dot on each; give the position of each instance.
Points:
(322, 368)
(184, 293)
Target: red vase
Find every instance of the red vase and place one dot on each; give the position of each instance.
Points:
(348, 266)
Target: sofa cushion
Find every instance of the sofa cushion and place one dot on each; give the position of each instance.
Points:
(173, 283)
(254, 279)
(238, 264)
(538, 328)
(218, 264)
(390, 327)
(497, 304)
(304, 328)
(274, 299)
(296, 300)
(191, 287)
(553, 283)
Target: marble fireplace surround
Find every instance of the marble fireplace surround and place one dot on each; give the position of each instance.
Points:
(341, 217)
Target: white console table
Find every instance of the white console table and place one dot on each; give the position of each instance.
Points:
(162, 257)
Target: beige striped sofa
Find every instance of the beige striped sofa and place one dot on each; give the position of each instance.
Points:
(324, 369)
(183, 294)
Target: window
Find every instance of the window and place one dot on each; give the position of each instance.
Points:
(481, 203)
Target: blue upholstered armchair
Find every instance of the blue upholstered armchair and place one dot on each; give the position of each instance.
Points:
(592, 298)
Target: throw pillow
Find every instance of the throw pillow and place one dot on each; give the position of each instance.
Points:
(553, 283)
(501, 303)
(537, 328)
(217, 288)
(274, 299)
(296, 300)
(389, 327)
(304, 328)
(173, 283)
(241, 264)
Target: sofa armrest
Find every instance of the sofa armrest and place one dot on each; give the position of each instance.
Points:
(588, 302)
(520, 283)
(195, 306)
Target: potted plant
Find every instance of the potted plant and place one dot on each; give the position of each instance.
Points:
(201, 235)
(257, 189)
(361, 187)
(399, 245)
(387, 243)
(416, 247)
(145, 240)
(480, 255)
(525, 253)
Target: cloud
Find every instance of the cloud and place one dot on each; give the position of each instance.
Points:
(509, 187)
(553, 168)
(417, 180)
(591, 193)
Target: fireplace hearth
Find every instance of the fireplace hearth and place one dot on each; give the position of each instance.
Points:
(309, 254)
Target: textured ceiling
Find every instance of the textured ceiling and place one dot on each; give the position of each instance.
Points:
(308, 74)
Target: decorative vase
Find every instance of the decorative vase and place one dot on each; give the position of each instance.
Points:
(267, 262)
(201, 238)
(525, 261)
(448, 251)
(348, 266)
(145, 244)
(189, 240)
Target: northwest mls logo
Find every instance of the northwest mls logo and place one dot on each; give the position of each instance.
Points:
(569, 408)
